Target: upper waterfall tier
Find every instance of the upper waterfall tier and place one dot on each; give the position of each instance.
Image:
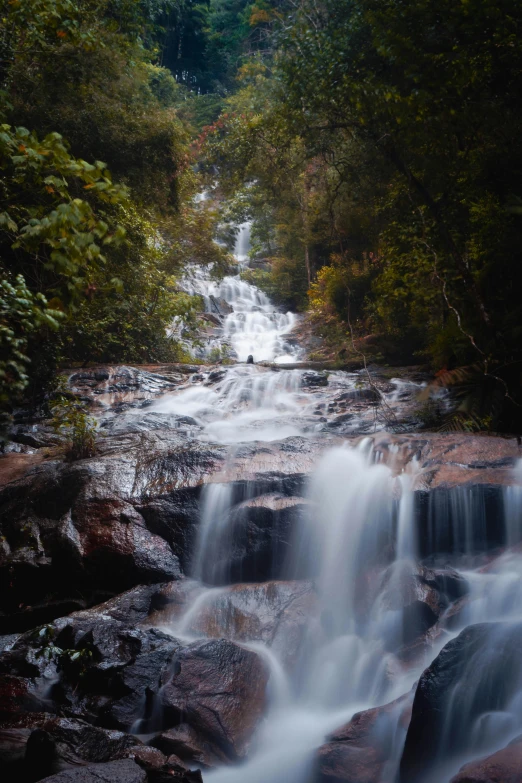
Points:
(245, 321)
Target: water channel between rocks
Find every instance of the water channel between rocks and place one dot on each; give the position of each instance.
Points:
(385, 573)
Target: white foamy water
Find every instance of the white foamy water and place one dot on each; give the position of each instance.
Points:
(249, 323)
(359, 543)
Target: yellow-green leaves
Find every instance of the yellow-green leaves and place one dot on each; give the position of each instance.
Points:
(44, 213)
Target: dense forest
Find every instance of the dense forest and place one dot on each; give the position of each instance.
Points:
(374, 144)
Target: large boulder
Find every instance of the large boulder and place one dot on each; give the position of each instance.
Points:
(73, 534)
(504, 766)
(366, 749)
(218, 688)
(476, 675)
(276, 613)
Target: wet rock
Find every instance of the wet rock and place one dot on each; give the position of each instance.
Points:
(38, 435)
(256, 540)
(124, 771)
(365, 749)
(125, 673)
(314, 378)
(484, 661)
(40, 744)
(98, 668)
(369, 394)
(215, 377)
(185, 743)
(422, 596)
(161, 769)
(6, 642)
(18, 695)
(219, 305)
(176, 520)
(130, 607)
(274, 613)
(340, 422)
(504, 766)
(452, 459)
(219, 690)
(70, 529)
(112, 385)
(147, 422)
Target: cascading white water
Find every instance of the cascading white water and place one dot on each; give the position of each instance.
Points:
(242, 246)
(345, 665)
(251, 324)
(361, 544)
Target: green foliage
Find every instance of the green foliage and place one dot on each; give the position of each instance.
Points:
(75, 662)
(96, 247)
(69, 419)
(43, 220)
(21, 313)
(385, 135)
(219, 355)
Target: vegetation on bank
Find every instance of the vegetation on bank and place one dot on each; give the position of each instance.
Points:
(377, 144)
(373, 143)
(97, 183)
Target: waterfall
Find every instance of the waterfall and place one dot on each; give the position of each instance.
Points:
(248, 324)
(378, 544)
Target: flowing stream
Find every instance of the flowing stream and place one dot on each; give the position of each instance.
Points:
(358, 542)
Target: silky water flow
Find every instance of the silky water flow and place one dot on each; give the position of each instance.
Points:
(359, 540)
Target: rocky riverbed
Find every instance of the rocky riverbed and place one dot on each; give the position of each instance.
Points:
(266, 571)
(119, 652)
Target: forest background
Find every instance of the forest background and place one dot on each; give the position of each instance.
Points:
(374, 144)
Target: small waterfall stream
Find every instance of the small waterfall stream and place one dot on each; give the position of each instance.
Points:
(368, 550)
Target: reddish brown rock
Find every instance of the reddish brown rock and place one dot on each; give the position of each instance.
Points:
(219, 690)
(276, 613)
(185, 743)
(505, 766)
(17, 695)
(363, 750)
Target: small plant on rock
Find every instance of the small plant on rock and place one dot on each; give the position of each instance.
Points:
(77, 430)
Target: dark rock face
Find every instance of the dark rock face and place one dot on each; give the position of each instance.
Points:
(72, 532)
(175, 519)
(104, 674)
(364, 751)
(257, 543)
(108, 674)
(476, 673)
(505, 766)
(218, 688)
(124, 771)
(314, 378)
